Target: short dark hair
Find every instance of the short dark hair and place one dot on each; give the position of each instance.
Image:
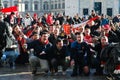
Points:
(43, 32)
(34, 33)
(12, 13)
(77, 33)
(58, 40)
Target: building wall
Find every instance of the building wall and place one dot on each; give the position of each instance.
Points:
(90, 5)
(40, 4)
(70, 7)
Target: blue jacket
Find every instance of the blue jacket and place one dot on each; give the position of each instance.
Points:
(80, 50)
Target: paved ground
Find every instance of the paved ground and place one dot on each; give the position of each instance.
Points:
(24, 73)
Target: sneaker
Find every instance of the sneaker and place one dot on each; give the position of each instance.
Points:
(12, 65)
(1, 65)
(55, 74)
(63, 73)
(110, 77)
(73, 75)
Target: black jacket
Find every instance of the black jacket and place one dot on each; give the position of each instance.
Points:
(38, 48)
(113, 37)
(4, 33)
(53, 52)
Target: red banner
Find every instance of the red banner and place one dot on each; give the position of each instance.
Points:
(66, 28)
(93, 19)
(9, 9)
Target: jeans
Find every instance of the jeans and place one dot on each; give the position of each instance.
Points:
(55, 63)
(10, 56)
(37, 62)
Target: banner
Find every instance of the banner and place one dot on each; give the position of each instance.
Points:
(84, 23)
(9, 9)
(81, 24)
(66, 28)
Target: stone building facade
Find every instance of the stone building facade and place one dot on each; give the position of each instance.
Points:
(69, 7)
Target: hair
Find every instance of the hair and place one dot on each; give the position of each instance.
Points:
(77, 33)
(12, 13)
(44, 32)
(58, 40)
(34, 33)
(105, 38)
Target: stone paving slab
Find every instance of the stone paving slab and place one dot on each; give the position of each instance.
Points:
(24, 73)
(40, 77)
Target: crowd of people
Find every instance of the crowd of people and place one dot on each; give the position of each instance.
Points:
(42, 41)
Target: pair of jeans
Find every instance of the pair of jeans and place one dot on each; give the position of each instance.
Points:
(10, 56)
(37, 62)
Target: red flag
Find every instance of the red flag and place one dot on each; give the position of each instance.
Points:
(66, 28)
(93, 19)
(9, 9)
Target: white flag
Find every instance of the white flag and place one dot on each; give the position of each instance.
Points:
(80, 24)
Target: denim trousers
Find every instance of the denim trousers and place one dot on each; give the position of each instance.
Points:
(10, 56)
(37, 62)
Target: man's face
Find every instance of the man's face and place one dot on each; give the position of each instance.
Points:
(104, 40)
(56, 31)
(59, 44)
(79, 38)
(44, 37)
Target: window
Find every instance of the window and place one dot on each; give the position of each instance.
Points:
(119, 6)
(109, 11)
(15, 2)
(51, 6)
(63, 5)
(55, 5)
(36, 5)
(59, 6)
(26, 6)
(98, 7)
(45, 5)
(85, 11)
(5, 4)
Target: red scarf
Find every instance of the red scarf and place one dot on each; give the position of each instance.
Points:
(45, 43)
(117, 67)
